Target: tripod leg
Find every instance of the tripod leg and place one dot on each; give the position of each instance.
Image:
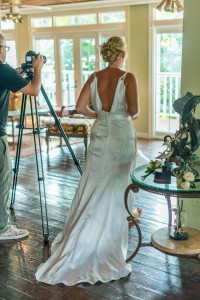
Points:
(40, 171)
(18, 151)
(57, 122)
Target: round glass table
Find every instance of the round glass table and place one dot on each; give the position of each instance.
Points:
(161, 238)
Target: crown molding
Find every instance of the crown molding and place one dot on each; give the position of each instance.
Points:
(85, 5)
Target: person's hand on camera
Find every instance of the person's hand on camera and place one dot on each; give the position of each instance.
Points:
(37, 63)
(19, 70)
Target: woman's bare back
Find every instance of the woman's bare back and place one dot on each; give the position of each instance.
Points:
(107, 81)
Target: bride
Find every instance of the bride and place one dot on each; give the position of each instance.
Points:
(93, 244)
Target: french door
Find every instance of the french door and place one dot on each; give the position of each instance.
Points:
(167, 55)
(70, 61)
(77, 62)
(71, 58)
(46, 47)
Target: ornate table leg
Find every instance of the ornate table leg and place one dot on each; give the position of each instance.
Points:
(177, 232)
(135, 190)
(169, 211)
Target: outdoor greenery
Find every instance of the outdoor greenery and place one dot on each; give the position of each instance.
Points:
(170, 62)
(170, 52)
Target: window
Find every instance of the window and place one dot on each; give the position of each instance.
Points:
(68, 88)
(166, 67)
(88, 58)
(7, 25)
(70, 20)
(41, 22)
(10, 34)
(168, 80)
(72, 55)
(80, 19)
(46, 47)
(112, 17)
(11, 55)
(164, 15)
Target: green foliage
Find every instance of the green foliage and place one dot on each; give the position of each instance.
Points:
(67, 62)
(170, 52)
(153, 165)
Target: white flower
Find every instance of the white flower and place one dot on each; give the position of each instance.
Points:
(188, 176)
(179, 180)
(185, 185)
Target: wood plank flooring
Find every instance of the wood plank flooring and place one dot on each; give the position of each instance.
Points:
(155, 275)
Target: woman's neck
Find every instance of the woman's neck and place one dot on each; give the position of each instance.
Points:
(116, 66)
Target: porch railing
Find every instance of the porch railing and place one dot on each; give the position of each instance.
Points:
(168, 90)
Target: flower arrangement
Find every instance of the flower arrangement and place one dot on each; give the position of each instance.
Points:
(153, 165)
(178, 158)
(185, 179)
(183, 169)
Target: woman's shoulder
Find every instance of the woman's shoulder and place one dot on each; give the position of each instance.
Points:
(91, 78)
(130, 77)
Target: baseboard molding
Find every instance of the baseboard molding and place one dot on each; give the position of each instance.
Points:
(143, 135)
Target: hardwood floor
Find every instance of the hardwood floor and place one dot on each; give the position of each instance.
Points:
(155, 275)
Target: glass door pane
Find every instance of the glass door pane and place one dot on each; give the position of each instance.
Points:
(168, 52)
(46, 47)
(11, 55)
(68, 82)
(87, 58)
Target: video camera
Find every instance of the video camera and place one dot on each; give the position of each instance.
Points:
(28, 57)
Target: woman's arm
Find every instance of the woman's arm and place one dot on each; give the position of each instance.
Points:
(132, 96)
(84, 100)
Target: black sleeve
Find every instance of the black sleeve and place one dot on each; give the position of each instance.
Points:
(12, 80)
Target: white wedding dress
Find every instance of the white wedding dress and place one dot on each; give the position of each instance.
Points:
(93, 244)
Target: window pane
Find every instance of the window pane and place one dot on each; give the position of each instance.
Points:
(170, 52)
(67, 71)
(75, 20)
(41, 22)
(46, 47)
(103, 64)
(7, 25)
(165, 15)
(168, 80)
(112, 17)
(11, 55)
(87, 58)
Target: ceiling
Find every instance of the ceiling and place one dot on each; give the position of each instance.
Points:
(59, 5)
(51, 2)
(61, 2)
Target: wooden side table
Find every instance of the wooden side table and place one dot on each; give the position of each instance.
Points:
(73, 127)
(161, 239)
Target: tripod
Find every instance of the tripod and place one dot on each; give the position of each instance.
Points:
(38, 155)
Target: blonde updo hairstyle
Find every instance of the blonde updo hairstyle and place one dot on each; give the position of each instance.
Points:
(111, 49)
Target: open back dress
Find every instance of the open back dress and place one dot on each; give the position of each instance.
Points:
(93, 244)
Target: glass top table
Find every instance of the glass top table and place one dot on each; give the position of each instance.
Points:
(161, 238)
(162, 188)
